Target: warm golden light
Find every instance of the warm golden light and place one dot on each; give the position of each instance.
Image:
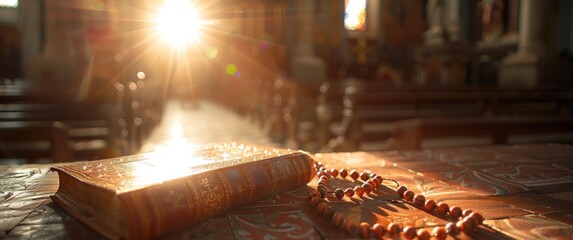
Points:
(178, 23)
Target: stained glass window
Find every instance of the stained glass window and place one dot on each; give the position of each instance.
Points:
(355, 15)
(8, 3)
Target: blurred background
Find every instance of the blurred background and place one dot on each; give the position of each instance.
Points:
(89, 79)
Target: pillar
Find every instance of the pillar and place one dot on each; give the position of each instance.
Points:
(453, 20)
(305, 65)
(535, 64)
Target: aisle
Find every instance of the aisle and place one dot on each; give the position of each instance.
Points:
(186, 126)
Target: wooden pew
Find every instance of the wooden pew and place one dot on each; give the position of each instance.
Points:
(409, 134)
(367, 112)
(93, 128)
(33, 140)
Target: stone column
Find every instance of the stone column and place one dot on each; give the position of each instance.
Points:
(535, 64)
(29, 14)
(453, 20)
(305, 65)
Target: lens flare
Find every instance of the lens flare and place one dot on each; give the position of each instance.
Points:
(178, 23)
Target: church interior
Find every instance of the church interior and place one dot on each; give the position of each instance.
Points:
(83, 80)
(320, 75)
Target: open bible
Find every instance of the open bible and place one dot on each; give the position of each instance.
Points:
(147, 195)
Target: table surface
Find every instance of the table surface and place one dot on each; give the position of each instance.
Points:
(523, 191)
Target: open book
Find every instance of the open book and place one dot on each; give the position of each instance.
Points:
(145, 196)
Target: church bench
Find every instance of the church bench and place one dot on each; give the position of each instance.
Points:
(410, 134)
(34, 140)
(94, 130)
(365, 108)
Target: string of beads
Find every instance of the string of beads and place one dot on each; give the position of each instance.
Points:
(463, 220)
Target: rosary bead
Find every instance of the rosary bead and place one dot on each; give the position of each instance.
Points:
(349, 192)
(321, 207)
(467, 212)
(465, 226)
(373, 183)
(409, 232)
(377, 180)
(367, 187)
(455, 212)
(474, 220)
(401, 190)
(364, 230)
(423, 234)
(328, 212)
(443, 208)
(314, 201)
(321, 183)
(322, 190)
(343, 173)
(354, 174)
(452, 229)
(430, 205)
(333, 172)
(409, 195)
(339, 193)
(419, 199)
(350, 226)
(478, 216)
(358, 190)
(338, 219)
(378, 230)
(364, 176)
(439, 233)
(393, 229)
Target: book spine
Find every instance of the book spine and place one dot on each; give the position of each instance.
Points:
(172, 205)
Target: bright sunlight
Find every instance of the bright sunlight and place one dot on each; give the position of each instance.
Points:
(178, 23)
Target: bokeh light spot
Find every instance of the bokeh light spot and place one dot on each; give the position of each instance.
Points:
(231, 69)
(212, 52)
(141, 75)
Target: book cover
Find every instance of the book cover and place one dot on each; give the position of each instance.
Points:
(147, 195)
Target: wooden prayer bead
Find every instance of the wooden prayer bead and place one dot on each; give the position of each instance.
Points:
(321, 207)
(443, 208)
(338, 219)
(423, 234)
(419, 199)
(378, 230)
(409, 195)
(466, 212)
(328, 212)
(478, 216)
(333, 172)
(364, 230)
(393, 229)
(409, 232)
(354, 174)
(401, 190)
(455, 212)
(439, 233)
(465, 226)
(430, 205)
(473, 220)
(359, 191)
(314, 201)
(377, 180)
(349, 192)
(350, 226)
(452, 229)
(373, 183)
(364, 176)
(367, 187)
(343, 173)
(339, 193)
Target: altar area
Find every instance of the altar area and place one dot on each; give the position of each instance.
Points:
(522, 191)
